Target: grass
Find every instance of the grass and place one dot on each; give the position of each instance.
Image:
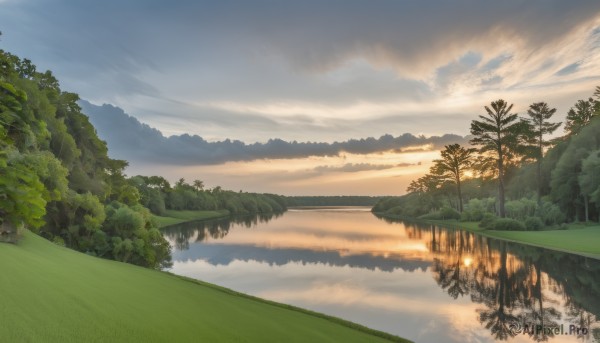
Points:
(54, 294)
(583, 241)
(173, 217)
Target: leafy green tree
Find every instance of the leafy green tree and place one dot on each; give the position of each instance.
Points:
(21, 194)
(589, 180)
(498, 134)
(579, 116)
(452, 166)
(539, 114)
(565, 185)
(199, 185)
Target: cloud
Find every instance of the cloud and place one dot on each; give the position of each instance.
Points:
(311, 68)
(129, 139)
(358, 167)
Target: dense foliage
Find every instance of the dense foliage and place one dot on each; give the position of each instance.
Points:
(157, 194)
(56, 177)
(518, 172)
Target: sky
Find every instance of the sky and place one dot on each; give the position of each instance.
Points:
(310, 71)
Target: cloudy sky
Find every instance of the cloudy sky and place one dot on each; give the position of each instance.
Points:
(319, 71)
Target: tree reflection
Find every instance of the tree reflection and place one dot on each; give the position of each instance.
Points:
(199, 231)
(515, 284)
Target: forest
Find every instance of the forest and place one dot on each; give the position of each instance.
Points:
(518, 174)
(57, 179)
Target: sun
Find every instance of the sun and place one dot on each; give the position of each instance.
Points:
(468, 261)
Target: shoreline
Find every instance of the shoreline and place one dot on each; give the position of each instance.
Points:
(173, 217)
(520, 237)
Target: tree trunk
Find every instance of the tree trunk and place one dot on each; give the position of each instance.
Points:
(460, 200)
(539, 176)
(501, 210)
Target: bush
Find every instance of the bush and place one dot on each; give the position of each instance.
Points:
(508, 224)
(521, 209)
(487, 221)
(551, 213)
(475, 209)
(449, 213)
(396, 210)
(534, 224)
(58, 240)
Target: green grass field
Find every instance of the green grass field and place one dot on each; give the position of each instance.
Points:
(54, 294)
(583, 241)
(172, 217)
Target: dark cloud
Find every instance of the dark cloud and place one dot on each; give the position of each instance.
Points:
(129, 139)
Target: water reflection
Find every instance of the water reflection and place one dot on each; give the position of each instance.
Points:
(197, 231)
(388, 275)
(516, 283)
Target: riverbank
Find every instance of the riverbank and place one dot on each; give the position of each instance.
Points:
(54, 294)
(579, 239)
(173, 217)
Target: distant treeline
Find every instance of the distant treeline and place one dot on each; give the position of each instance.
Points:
(158, 195)
(337, 200)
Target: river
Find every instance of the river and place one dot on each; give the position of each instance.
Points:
(421, 282)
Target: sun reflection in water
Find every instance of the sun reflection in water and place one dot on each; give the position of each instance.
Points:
(468, 261)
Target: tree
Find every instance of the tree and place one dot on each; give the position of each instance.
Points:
(498, 134)
(455, 160)
(579, 116)
(199, 185)
(589, 181)
(180, 183)
(539, 114)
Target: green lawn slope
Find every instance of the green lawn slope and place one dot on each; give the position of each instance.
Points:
(53, 294)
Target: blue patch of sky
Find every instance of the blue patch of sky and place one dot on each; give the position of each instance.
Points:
(571, 68)
(496, 62)
(470, 59)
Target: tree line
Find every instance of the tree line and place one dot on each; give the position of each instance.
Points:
(158, 195)
(514, 169)
(56, 177)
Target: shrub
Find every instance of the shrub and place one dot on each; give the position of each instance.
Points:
(551, 213)
(449, 213)
(521, 209)
(465, 217)
(487, 221)
(534, 224)
(508, 224)
(396, 210)
(58, 240)
(475, 209)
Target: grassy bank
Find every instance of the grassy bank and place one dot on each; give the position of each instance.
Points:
(578, 239)
(53, 294)
(172, 217)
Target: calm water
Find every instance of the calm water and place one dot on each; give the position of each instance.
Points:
(420, 282)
